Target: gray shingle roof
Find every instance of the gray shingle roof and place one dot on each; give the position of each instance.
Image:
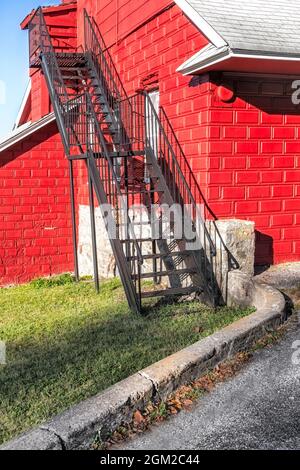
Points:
(271, 26)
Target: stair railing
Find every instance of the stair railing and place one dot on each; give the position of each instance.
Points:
(94, 43)
(109, 80)
(194, 187)
(160, 148)
(181, 191)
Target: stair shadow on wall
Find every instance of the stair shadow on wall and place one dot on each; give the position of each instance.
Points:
(271, 96)
(264, 251)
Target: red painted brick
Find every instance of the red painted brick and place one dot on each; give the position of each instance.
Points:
(234, 163)
(271, 147)
(282, 191)
(220, 147)
(247, 147)
(282, 220)
(233, 193)
(246, 207)
(247, 177)
(235, 132)
(292, 205)
(246, 117)
(260, 132)
(271, 206)
(259, 162)
(291, 233)
(221, 117)
(223, 177)
(284, 162)
(292, 176)
(221, 208)
(24, 208)
(258, 192)
(284, 132)
(272, 177)
(293, 147)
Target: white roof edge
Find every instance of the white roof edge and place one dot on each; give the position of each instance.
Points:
(24, 131)
(201, 60)
(192, 66)
(212, 35)
(23, 104)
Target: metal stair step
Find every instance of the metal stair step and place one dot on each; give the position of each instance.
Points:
(72, 77)
(126, 154)
(163, 255)
(109, 131)
(138, 224)
(164, 273)
(138, 240)
(74, 69)
(135, 193)
(178, 291)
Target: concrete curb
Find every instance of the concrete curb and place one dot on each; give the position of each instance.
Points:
(77, 427)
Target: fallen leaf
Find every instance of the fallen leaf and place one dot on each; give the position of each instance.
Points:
(187, 402)
(138, 417)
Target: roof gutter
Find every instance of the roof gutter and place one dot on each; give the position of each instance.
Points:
(198, 64)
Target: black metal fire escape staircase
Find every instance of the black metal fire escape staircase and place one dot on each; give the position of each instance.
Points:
(129, 160)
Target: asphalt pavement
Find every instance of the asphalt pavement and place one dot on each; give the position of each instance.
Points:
(259, 408)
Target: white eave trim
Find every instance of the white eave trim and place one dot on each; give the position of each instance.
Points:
(23, 105)
(207, 56)
(196, 65)
(211, 34)
(25, 131)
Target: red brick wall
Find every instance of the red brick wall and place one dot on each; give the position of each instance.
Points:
(245, 153)
(255, 162)
(35, 225)
(117, 18)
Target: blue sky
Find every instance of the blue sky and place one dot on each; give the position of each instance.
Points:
(14, 58)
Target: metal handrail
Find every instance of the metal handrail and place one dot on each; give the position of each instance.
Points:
(90, 24)
(44, 32)
(194, 183)
(178, 168)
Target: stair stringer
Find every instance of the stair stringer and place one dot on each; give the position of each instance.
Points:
(91, 66)
(116, 245)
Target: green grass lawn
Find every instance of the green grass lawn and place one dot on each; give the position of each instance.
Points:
(66, 343)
